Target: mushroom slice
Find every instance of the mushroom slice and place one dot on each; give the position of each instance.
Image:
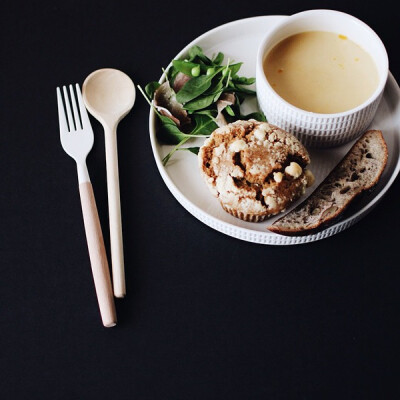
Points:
(180, 81)
(226, 99)
(166, 103)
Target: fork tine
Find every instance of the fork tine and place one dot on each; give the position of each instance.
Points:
(61, 113)
(74, 108)
(82, 108)
(68, 107)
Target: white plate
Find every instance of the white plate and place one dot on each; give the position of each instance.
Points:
(239, 41)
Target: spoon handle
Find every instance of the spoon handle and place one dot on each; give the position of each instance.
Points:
(114, 212)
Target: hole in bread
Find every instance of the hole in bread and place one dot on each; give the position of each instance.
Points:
(315, 211)
(207, 165)
(362, 170)
(354, 177)
(327, 191)
(369, 155)
(330, 212)
(345, 190)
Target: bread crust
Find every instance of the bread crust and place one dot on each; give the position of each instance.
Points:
(329, 181)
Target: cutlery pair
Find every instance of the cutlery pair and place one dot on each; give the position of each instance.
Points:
(77, 139)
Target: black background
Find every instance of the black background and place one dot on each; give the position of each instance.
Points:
(206, 316)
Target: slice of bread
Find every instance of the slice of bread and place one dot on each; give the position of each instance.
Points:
(358, 172)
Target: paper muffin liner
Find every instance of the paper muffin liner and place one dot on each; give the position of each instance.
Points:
(244, 216)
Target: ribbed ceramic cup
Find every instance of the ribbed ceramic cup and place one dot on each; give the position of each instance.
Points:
(314, 129)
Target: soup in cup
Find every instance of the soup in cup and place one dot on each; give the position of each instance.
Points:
(321, 75)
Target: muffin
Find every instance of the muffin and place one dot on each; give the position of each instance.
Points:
(255, 169)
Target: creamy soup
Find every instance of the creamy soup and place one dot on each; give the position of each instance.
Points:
(322, 72)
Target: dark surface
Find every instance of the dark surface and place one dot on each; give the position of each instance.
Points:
(206, 316)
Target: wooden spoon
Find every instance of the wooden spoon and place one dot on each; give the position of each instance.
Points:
(109, 95)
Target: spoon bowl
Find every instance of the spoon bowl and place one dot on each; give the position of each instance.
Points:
(109, 95)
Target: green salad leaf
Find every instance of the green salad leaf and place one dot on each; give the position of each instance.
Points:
(205, 125)
(198, 82)
(194, 150)
(193, 88)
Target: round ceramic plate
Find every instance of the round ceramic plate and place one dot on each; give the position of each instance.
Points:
(239, 41)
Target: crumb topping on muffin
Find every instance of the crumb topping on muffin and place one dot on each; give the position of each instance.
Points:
(254, 168)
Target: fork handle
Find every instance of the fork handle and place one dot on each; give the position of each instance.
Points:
(98, 257)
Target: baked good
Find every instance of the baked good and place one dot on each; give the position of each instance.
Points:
(358, 172)
(255, 169)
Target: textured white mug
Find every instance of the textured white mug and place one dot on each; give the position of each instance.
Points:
(314, 129)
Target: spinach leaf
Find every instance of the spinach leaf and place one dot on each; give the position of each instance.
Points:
(240, 89)
(199, 103)
(218, 59)
(197, 53)
(258, 116)
(230, 111)
(234, 68)
(210, 113)
(172, 73)
(243, 80)
(169, 133)
(217, 95)
(215, 87)
(150, 88)
(204, 125)
(210, 96)
(184, 66)
(193, 88)
(194, 150)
